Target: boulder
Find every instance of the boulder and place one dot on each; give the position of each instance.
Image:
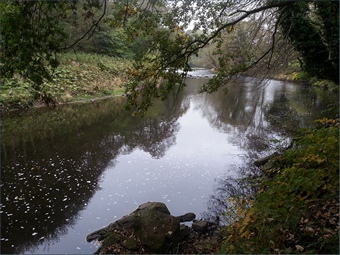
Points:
(149, 229)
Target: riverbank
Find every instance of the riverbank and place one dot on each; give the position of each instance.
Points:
(84, 77)
(80, 77)
(296, 205)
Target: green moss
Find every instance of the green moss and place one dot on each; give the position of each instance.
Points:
(112, 239)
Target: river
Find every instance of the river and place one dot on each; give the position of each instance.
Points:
(68, 171)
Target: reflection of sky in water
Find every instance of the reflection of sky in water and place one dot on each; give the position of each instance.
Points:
(183, 179)
(147, 162)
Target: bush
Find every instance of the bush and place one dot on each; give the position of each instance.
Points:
(16, 93)
(300, 76)
(324, 84)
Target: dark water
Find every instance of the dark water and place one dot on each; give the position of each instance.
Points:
(68, 171)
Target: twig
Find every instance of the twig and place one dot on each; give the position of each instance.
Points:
(91, 30)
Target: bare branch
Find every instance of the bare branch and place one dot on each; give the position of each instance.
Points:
(202, 44)
(89, 32)
(273, 44)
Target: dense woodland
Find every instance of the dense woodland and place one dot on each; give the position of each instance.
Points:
(58, 51)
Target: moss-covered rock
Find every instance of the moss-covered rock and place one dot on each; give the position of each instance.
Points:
(149, 229)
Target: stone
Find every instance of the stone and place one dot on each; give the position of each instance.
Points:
(267, 166)
(200, 225)
(149, 229)
(182, 234)
(264, 160)
(187, 217)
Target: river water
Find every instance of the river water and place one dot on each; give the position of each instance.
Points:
(68, 171)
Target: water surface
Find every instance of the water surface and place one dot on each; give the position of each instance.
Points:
(68, 171)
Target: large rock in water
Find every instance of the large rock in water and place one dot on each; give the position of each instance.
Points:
(149, 229)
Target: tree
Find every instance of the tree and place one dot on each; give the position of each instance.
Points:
(262, 30)
(33, 32)
(275, 25)
(314, 31)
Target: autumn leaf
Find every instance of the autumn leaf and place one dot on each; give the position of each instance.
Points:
(230, 29)
(236, 225)
(245, 233)
(309, 230)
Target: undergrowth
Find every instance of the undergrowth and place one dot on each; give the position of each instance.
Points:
(315, 82)
(296, 208)
(79, 76)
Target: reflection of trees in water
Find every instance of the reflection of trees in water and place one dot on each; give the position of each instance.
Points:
(50, 168)
(154, 136)
(44, 190)
(243, 113)
(280, 113)
(48, 179)
(259, 120)
(240, 113)
(293, 109)
(220, 206)
(30, 126)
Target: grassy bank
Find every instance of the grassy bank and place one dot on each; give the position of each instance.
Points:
(80, 76)
(313, 81)
(296, 207)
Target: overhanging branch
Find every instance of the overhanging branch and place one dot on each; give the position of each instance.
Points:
(202, 43)
(89, 32)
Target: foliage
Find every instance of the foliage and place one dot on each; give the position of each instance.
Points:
(16, 93)
(28, 40)
(296, 210)
(105, 40)
(325, 84)
(79, 76)
(32, 32)
(300, 76)
(245, 37)
(314, 31)
(233, 37)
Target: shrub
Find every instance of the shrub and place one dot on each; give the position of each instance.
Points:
(300, 76)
